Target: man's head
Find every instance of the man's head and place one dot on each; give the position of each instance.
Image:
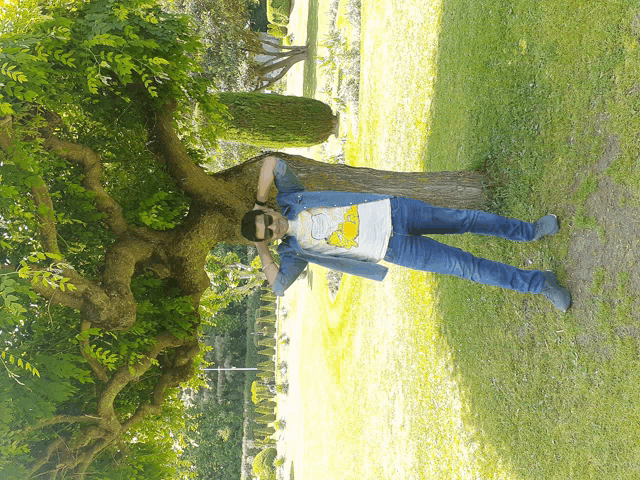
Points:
(266, 224)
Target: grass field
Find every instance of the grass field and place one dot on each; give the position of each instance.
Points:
(439, 378)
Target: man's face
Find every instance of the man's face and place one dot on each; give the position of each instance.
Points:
(271, 225)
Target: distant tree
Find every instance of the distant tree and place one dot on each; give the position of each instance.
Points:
(263, 464)
(236, 58)
(215, 439)
(224, 29)
(276, 59)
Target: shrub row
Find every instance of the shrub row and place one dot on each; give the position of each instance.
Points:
(264, 390)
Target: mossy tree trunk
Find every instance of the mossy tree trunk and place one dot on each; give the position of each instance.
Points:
(277, 121)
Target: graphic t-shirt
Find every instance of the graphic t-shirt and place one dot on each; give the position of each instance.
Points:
(359, 231)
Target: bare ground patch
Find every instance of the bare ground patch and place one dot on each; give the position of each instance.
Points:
(604, 260)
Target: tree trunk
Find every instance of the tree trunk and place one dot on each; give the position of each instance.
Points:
(277, 121)
(272, 60)
(444, 189)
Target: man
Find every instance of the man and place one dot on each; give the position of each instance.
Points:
(352, 232)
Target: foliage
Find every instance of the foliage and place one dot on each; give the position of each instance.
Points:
(215, 432)
(278, 12)
(85, 70)
(98, 51)
(263, 464)
(223, 28)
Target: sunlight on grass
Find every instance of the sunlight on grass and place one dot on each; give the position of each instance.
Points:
(398, 53)
(375, 390)
(375, 386)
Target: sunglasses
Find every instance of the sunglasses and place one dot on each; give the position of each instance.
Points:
(268, 221)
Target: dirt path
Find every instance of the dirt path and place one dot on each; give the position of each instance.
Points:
(603, 262)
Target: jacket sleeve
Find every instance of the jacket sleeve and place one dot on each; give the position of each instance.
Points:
(291, 266)
(285, 179)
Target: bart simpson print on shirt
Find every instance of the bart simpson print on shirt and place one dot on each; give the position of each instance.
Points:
(347, 232)
(323, 222)
(356, 231)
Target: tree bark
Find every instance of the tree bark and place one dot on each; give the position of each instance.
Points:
(276, 121)
(444, 189)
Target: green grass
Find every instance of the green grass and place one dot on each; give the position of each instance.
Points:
(529, 92)
(419, 379)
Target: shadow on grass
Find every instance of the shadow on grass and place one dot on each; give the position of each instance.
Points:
(552, 396)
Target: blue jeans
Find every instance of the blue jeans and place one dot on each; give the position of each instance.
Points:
(407, 247)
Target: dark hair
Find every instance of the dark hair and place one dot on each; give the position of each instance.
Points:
(248, 225)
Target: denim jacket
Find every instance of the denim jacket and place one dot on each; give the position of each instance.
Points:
(293, 199)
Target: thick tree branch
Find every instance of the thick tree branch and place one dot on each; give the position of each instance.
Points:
(111, 305)
(46, 456)
(126, 374)
(57, 419)
(170, 379)
(68, 419)
(90, 161)
(279, 46)
(72, 299)
(285, 63)
(84, 461)
(46, 217)
(192, 179)
(5, 128)
(78, 451)
(49, 238)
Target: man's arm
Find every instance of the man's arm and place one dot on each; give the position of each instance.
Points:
(265, 180)
(269, 267)
(281, 276)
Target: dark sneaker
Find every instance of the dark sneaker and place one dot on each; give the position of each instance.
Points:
(547, 225)
(556, 294)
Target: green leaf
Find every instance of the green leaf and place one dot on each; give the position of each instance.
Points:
(6, 109)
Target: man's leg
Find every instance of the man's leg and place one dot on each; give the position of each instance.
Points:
(424, 253)
(418, 218)
(409, 249)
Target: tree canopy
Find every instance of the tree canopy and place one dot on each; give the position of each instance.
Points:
(87, 209)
